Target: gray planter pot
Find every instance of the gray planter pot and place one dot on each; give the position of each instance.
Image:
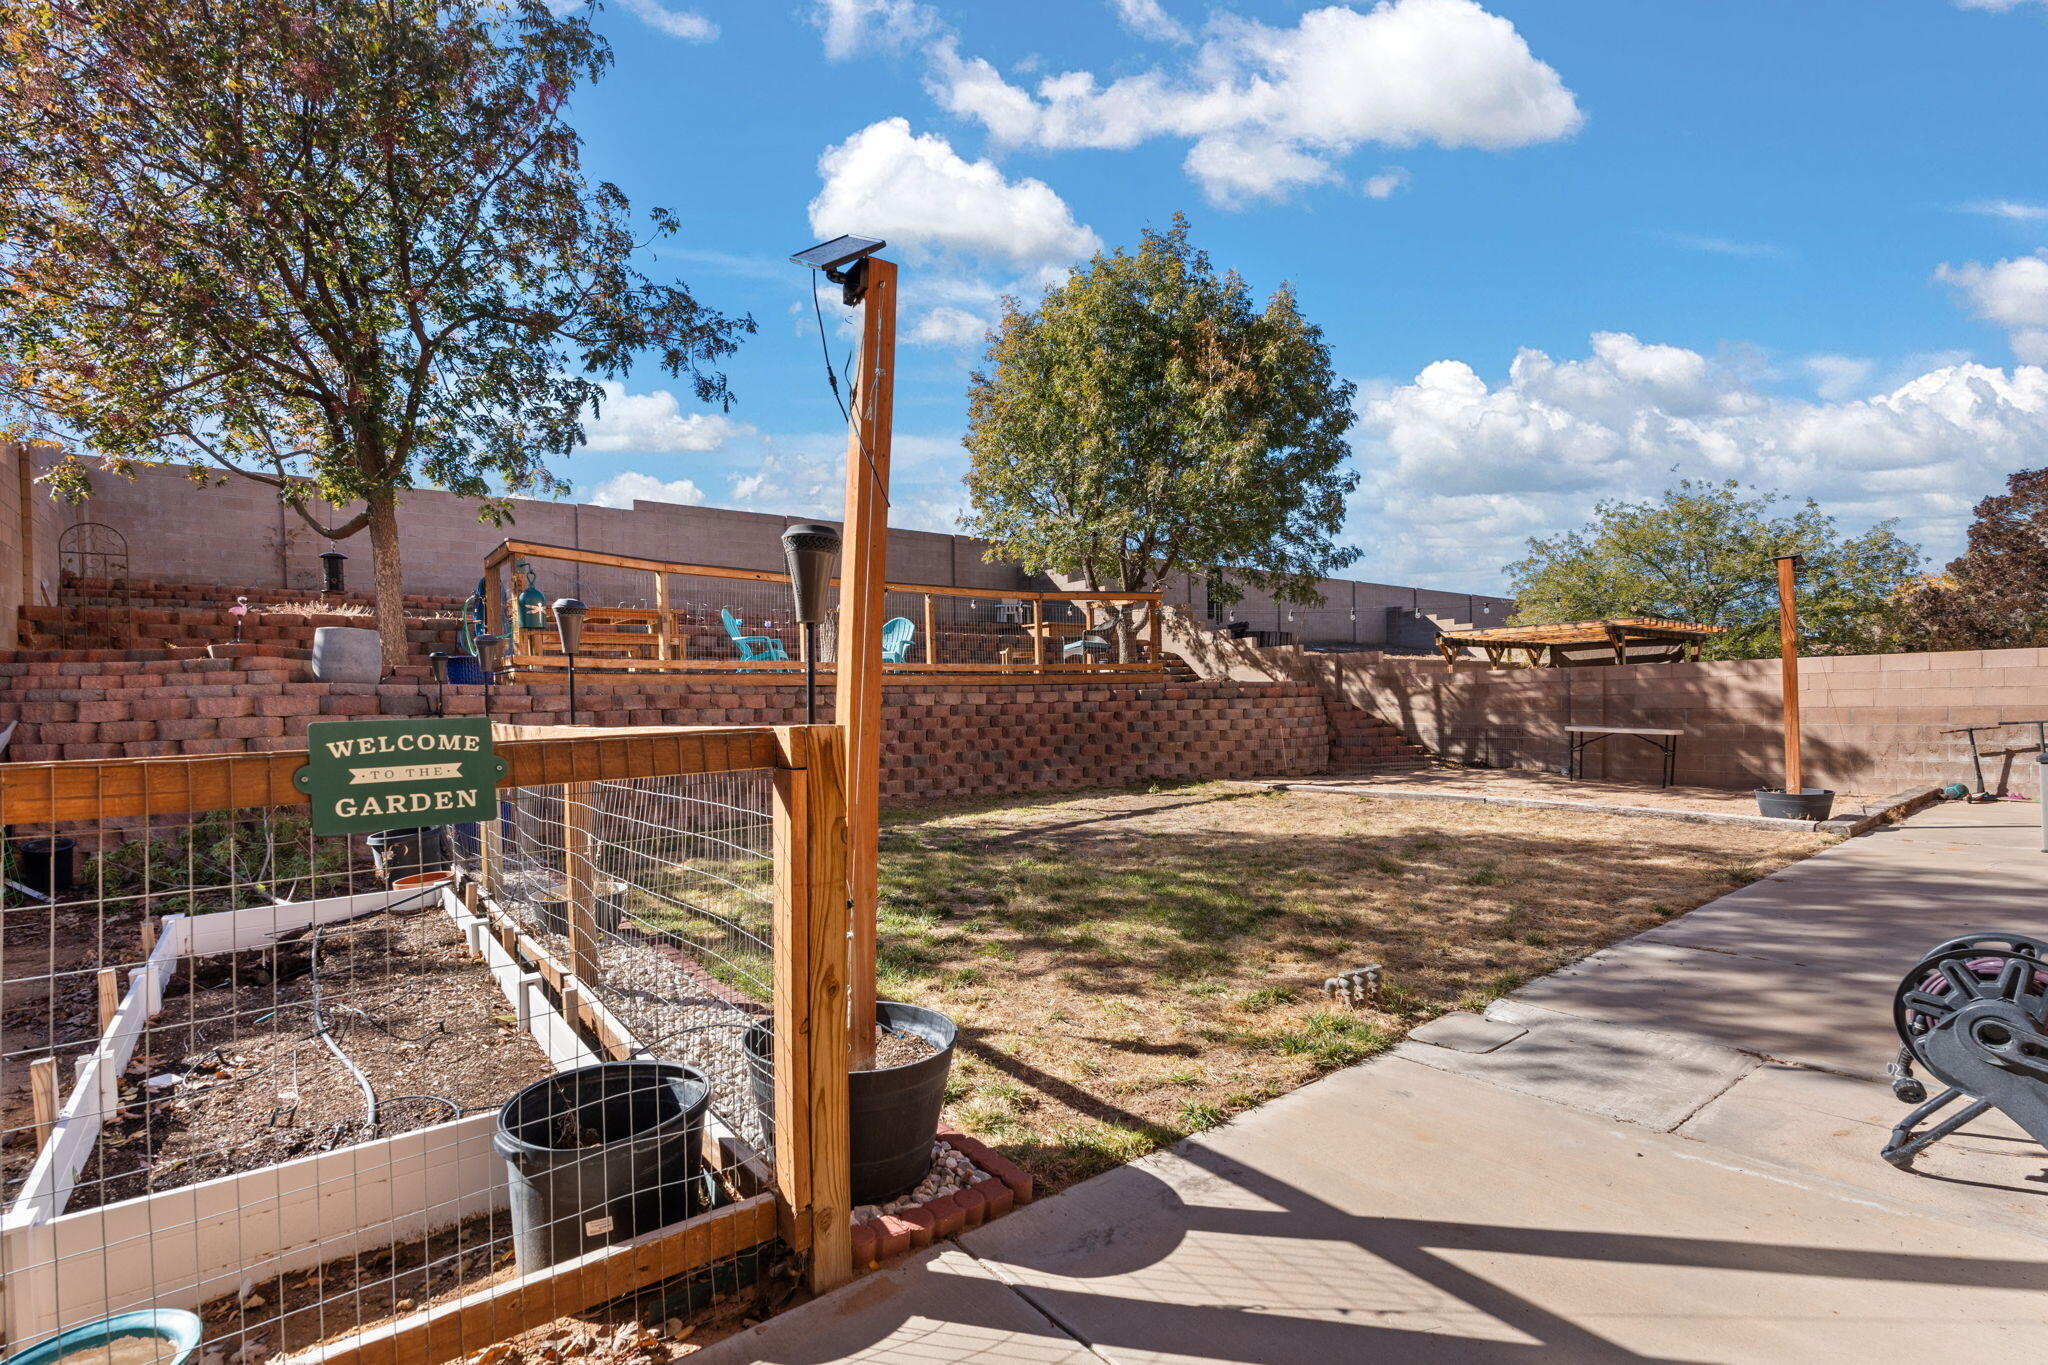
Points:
(1808, 803)
(347, 654)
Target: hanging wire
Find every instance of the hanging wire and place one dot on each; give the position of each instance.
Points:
(832, 380)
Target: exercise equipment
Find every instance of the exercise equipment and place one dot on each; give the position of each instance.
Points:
(1973, 1014)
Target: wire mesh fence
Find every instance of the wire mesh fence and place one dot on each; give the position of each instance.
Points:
(327, 1092)
(679, 874)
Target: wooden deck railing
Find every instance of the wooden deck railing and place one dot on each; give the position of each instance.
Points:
(669, 617)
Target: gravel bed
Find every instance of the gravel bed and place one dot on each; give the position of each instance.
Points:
(951, 1172)
(663, 1001)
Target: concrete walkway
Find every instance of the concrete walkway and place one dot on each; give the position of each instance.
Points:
(1666, 1153)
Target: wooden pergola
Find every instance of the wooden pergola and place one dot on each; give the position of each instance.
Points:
(1578, 644)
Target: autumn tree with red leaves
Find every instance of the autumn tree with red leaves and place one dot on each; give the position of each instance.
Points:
(341, 248)
(1996, 595)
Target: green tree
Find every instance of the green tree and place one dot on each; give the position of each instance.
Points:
(1996, 595)
(337, 248)
(1146, 419)
(1702, 552)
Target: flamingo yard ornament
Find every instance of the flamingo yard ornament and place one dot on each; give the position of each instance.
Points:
(238, 611)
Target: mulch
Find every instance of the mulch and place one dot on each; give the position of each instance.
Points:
(234, 1074)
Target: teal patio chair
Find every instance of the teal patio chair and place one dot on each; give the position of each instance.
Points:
(752, 648)
(896, 636)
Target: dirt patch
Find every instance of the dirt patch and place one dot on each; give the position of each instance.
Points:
(236, 1072)
(1128, 968)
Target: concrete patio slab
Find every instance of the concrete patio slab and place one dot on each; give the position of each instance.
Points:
(1464, 1031)
(1832, 1127)
(1399, 1213)
(1649, 1077)
(1476, 1200)
(1841, 1021)
(937, 1308)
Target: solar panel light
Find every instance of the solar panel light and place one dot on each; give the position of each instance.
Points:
(844, 262)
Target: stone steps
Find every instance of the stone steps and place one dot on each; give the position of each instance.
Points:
(1360, 740)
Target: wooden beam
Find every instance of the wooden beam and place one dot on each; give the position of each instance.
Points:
(812, 1146)
(857, 702)
(579, 800)
(569, 554)
(45, 793)
(931, 631)
(468, 1324)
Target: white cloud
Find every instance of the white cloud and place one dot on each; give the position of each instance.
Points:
(1267, 109)
(950, 326)
(1149, 19)
(976, 233)
(1458, 473)
(1387, 183)
(1995, 5)
(792, 484)
(1836, 377)
(676, 23)
(1723, 246)
(2011, 209)
(622, 490)
(856, 27)
(917, 192)
(654, 424)
(2012, 294)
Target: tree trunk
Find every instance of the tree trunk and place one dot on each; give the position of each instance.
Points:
(1126, 635)
(390, 578)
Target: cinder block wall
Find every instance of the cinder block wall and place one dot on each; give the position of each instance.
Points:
(1872, 724)
(234, 534)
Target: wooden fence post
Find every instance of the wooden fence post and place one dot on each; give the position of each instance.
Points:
(42, 1085)
(663, 626)
(931, 632)
(812, 1153)
(579, 801)
(863, 578)
(109, 984)
(1788, 659)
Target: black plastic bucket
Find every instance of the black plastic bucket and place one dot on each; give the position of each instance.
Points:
(640, 1126)
(1808, 803)
(607, 907)
(409, 852)
(47, 867)
(893, 1112)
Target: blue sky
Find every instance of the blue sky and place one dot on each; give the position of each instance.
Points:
(1562, 248)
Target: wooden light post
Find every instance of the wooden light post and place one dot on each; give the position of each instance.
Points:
(1788, 649)
(858, 696)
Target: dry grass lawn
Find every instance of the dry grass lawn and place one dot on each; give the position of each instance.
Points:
(1127, 967)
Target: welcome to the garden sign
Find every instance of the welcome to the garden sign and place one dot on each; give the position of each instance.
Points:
(369, 775)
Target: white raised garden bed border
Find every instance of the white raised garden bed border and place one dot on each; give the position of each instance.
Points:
(182, 1248)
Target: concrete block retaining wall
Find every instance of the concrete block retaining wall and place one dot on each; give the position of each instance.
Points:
(938, 740)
